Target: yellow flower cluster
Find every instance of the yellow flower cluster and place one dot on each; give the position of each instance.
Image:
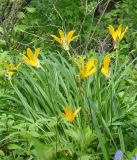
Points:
(31, 59)
(117, 35)
(86, 69)
(69, 115)
(90, 67)
(65, 39)
(11, 69)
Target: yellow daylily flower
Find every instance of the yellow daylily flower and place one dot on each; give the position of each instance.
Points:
(117, 35)
(11, 69)
(105, 69)
(69, 115)
(32, 59)
(88, 69)
(65, 39)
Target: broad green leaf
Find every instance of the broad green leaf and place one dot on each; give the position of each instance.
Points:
(2, 154)
(2, 42)
(21, 15)
(20, 28)
(14, 146)
(31, 9)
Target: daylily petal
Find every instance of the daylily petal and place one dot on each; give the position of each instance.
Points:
(122, 35)
(90, 64)
(26, 59)
(56, 39)
(112, 31)
(69, 35)
(91, 72)
(75, 37)
(37, 52)
(35, 63)
(105, 71)
(62, 34)
(119, 31)
(105, 68)
(30, 53)
(106, 61)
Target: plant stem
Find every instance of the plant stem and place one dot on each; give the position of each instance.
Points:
(116, 61)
